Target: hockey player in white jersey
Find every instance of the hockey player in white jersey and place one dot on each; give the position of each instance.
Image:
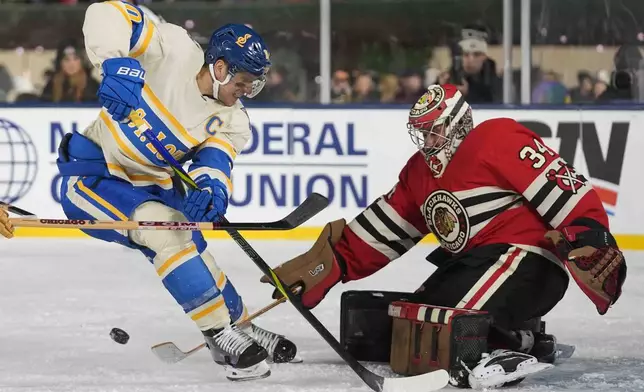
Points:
(156, 18)
(111, 172)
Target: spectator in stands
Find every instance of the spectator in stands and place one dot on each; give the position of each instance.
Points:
(472, 70)
(443, 78)
(624, 83)
(24, 90)
(341, 87)
(389, 87)
(601, 85)
(364, 89)
(411, 87)
(583, 93)
(71, 80)
(6, 83)
(550, 90)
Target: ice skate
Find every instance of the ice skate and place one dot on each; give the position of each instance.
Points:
(540, 345)
(279, 348)
(504, 368)
(545, 347)
(241, 356)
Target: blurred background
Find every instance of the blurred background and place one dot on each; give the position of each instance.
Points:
(555, 52)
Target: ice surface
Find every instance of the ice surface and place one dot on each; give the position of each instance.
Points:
(60, 298)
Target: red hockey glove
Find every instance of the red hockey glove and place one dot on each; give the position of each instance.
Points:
(593, 259)
(315, 271)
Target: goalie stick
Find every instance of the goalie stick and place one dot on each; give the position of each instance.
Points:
(305, 211)
(421, 383)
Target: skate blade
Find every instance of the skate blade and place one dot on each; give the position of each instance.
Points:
(257, 372)
(295, 360)
(251, 378)
(564, 351)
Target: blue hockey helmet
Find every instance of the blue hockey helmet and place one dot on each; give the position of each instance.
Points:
(243, 49)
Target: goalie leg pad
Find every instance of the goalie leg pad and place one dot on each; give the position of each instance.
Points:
(365, 326)
(427, 338)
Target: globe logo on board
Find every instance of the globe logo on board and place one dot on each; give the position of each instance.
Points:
(18, 162)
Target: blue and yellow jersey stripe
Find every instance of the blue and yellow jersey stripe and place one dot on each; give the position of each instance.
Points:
(214, 158)
(179, 132)
(135, 147)
(98, 202)
(142, 28)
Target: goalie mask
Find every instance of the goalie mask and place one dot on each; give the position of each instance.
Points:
(438, 123)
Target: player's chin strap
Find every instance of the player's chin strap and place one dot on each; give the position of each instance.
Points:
(216, 83)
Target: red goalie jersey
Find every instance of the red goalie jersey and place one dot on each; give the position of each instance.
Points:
(502, 185)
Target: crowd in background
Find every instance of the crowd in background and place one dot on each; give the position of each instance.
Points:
(71, 79)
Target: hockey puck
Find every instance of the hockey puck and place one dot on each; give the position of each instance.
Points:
(119, 336)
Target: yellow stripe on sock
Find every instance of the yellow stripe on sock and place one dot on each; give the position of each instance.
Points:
(173, 259)
(208, 310)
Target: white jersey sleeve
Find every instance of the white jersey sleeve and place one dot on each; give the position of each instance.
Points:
(215, 157)
(191, 123)
(117, 29)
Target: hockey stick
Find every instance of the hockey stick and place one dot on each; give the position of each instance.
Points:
(305, 211)
(421, 383)
(168, 352)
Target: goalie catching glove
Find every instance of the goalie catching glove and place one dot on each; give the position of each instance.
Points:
(593, 259)
(315, 271)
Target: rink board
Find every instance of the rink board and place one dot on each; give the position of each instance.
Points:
(350, 155)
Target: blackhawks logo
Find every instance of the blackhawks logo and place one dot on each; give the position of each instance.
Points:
(566, 178)
(447, 219)
(428, 101)
(444, 221)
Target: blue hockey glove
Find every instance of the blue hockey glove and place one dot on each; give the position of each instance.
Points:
(207, 204)
(120, 89)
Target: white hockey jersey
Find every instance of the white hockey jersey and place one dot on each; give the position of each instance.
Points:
(172, 104)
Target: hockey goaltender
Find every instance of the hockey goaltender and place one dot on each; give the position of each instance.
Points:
(511, 217)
